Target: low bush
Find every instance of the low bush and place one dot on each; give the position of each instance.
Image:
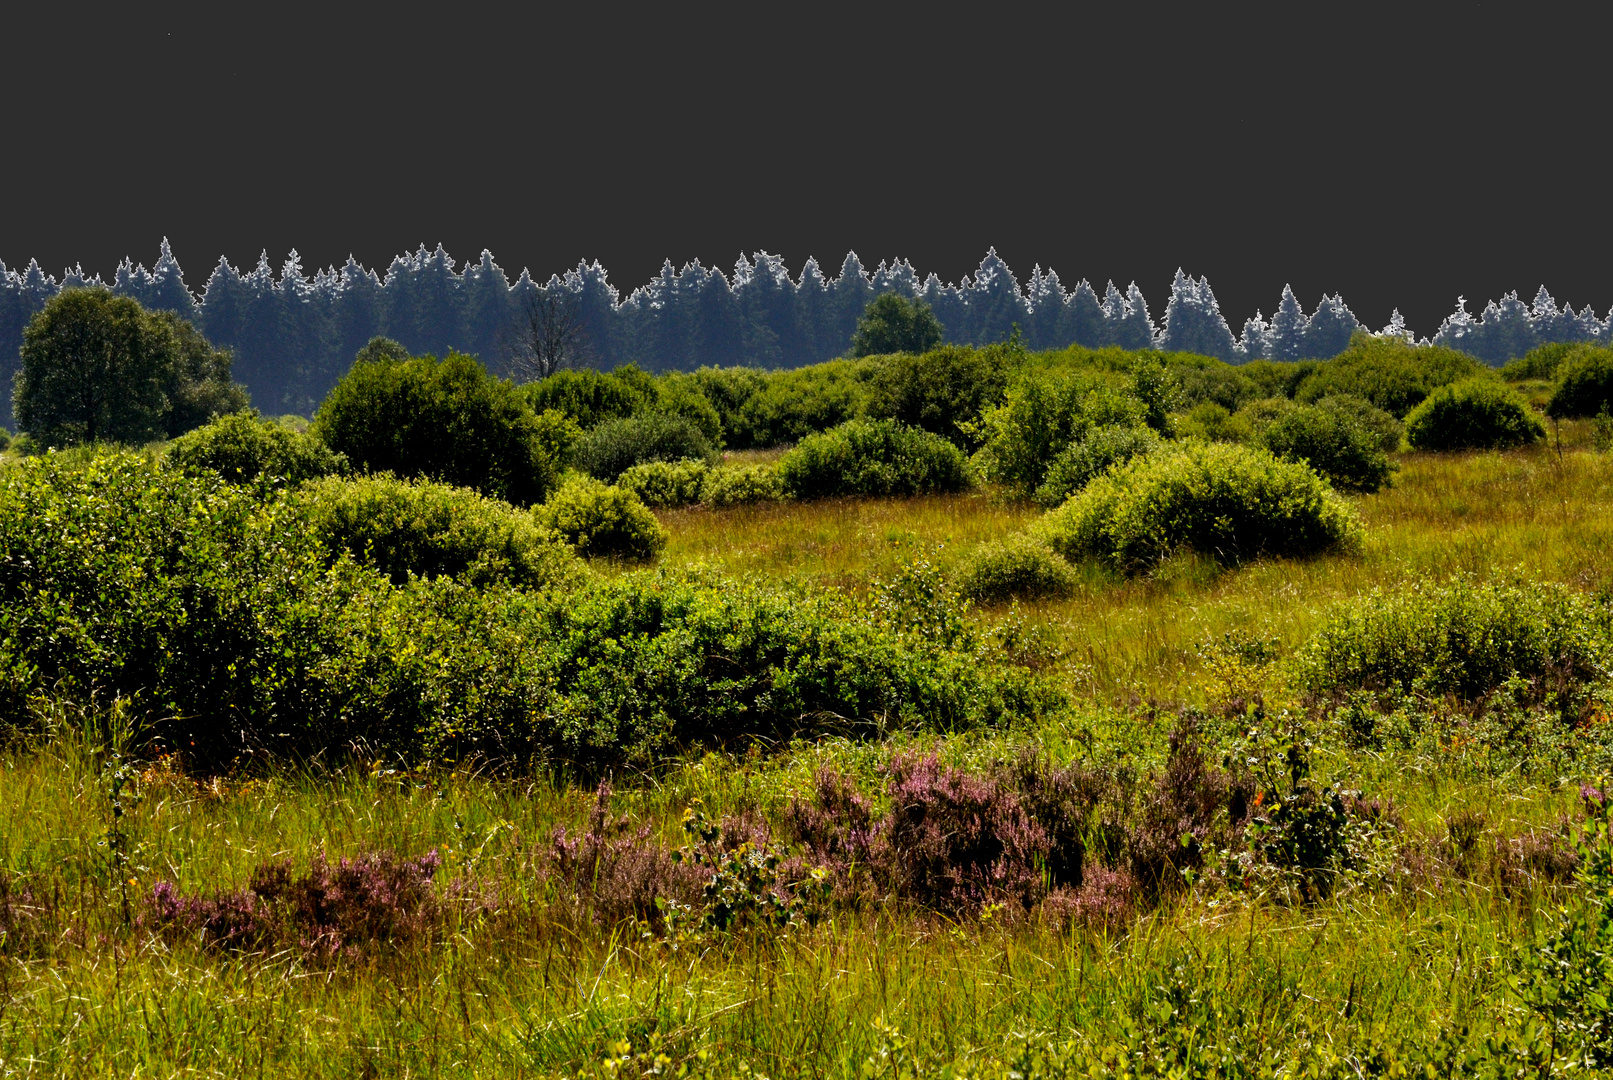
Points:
(615, 446)
(1277, 378)
(1018, 568)
(1331, 442)
(1258, 415)
(1475, 414)
(448, 421)
(243, 448)
(1090, 457)
(1226, 501)
(1391, 374)
(943, 391)
(1585, 383)
(5, 439)
(602, 521)
(419, 528)
(1042, 414)
(1216, 383)
(1463, 638)
(873, 457)
(589, 397)
(794, 404)
(1210, 421)
(666, 483)
(1540, 362)
(1389, 432)
(742, 486)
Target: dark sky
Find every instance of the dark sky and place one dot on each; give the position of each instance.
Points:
(1399, 161)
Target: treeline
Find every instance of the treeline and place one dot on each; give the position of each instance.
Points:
(294, 335)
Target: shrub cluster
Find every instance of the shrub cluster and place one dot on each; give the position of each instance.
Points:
(1227, 501)
(244, 448)
(873, 457)
(1481, 413)
(1019, 568)
(615, 446)
(1585, 383)
(1391, 374)
(420, 528)
(741, 486)
(601, 521)
(1092, 455)
(942, 391)
(666, 483)
(1329, 439)
(1041, 415)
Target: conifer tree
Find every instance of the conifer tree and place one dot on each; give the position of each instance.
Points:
(168, 289)
(848, 297)
(1328, 332)
(1458, 329)
(1045, 296)
(1288, 326)
(1193, 321)
(1084, 322)
(949, 307)
(1255, 343)
(1136, 329)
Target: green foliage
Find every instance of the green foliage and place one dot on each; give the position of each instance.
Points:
(1481, 413)
(5, 440)
(615, 446)
(1463, 638)
(1019, 568)
(1090, 457)
(666, 483)
(740, 486)
(1391, 374)
(1388, 431)
(728, 389)
(448, 421)
(1540, 362)
(1216, 383)
(1156, 385)
(1210, 421)
(418, 528)
(794, 404)
(1222, 500)
(244, 448)
(1277, 378)
(943, 391)
(100, 368)
(380, 349)
(1042, 414)
(1585, 383)
(1332, 443)
(587, 396)
(600, 521)
(873, 457)
(680, 394)
(894, 324)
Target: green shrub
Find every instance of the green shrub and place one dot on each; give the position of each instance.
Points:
(728, 389)
(245, 448)
(873, 457)
(615, 446)
(5, 440)
(1216, 383)
(1474, 414)
(742, 485)
(1585, 383)
(1043, 413)
(943, 391)
(1021, 567)
(1388, 431)
(1463, 638)
(1391, 374)
(1540, 362)
(1253, 419)
(892, 323)
(448, 421)
(1332, 443)
(1090, 457)
(1277, 378)
(795, 404)
(602, 521)
(666, 483)
(1210, 421)
(420, 528)
(589, 397)
(1226, 501)
(680, 394)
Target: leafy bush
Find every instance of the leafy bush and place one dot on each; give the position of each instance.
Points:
(1474, 414)
(795, 404)
(680, 394)
(1277, 378)
(589, 397)
(741, 486)
(1216, 383)
(1391, 374)
(728, 389)
(403, 527)
(892, 323)
(1209, 421)
(1388, 431)
(615, 446)
(1333, 444)
(1462, 638)
(603, 521)
(1540, 362)
(873, 457)
(1042, 414)
(244, 448)
(1222, 500)
(5, 439)
(666, 483)
(1020, 567)
(1585, 384)
(448, 421)
(1090, 457)
(943, 391)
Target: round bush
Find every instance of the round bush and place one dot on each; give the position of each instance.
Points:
(424, 529)
(1585, 384)
(741, 486)
(1349, 455)
(615, 446)
(1390, 374)
(1088, 458)
(1475, 414)
(1019, 568)
(666, 483)
(1227, 501)
(602, 521)
(243, 448)
(1540, 362)
(873, 457)
(1388, 431)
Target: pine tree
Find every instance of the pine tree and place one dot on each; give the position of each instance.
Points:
(1288, 326)
(488, 318)
(948, 305)
(1397, 329)
(1255, 343)
(1084, 322)
(1136, 328)
(768, 303)
(1193, 321)
(848, 298)
(1504, 331)
(995, 303)
(168, 289)
(597, 301)
(11, 325)
(1045, 295)
(1328, 332)
(1457, 331)
(134, 282)
(812, 307)
(356, 317)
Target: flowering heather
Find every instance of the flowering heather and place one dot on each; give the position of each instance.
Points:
(616, 873)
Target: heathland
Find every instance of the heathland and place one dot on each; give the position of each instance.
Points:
(966, 712)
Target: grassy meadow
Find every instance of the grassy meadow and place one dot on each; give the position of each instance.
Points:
(1414, 946)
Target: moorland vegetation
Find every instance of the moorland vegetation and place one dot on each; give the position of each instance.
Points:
(969, 711)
